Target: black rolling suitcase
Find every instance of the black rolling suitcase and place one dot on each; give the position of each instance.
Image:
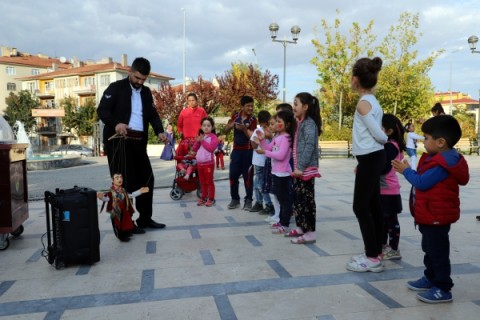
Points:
(72, 227)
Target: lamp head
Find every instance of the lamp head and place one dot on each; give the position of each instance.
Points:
(295, 30)
(273, 27)
(472, 42)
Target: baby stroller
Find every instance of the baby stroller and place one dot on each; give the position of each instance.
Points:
(181, 184)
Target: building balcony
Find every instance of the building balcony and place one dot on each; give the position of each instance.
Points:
(90, 90)
(47, 94)
(47, 131)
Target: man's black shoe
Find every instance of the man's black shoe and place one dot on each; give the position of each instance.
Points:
(137, 230)
(151, 224)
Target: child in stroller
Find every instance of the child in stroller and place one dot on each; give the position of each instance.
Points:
(186, 176)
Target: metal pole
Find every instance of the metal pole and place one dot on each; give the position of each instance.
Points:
(184, 48)
(284, 69)
(450, 89)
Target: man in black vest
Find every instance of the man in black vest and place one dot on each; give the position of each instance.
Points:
(127, 110)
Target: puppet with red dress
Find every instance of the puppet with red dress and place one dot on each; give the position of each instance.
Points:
(120, 207)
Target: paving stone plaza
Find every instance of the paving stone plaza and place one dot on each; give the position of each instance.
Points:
(216, 263)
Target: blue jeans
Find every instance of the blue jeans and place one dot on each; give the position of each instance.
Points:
(258, 186)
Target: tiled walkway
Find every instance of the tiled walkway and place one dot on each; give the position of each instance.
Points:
(215, 263)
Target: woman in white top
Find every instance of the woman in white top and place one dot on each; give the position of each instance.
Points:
(412, 138)
(368, 139)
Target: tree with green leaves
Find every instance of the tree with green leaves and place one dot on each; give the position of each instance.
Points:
(336, 54)
(19, 107)
(81, 119)
(404, 87)
(245, 79)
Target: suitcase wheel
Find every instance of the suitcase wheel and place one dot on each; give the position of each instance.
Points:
(17, 231)
(4, 241)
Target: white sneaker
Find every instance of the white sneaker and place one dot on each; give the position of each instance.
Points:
(363, 264)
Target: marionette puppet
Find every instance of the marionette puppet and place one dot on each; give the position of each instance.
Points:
(119, 205)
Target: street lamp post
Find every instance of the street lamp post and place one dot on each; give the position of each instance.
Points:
(472, 42)
(184, 48)
(295, 30)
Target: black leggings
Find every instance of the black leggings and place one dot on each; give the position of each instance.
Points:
(366, 201)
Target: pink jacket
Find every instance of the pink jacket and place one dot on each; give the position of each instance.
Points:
(205, 149)
(280, 151)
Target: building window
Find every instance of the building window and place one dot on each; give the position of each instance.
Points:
(89, 81)
(11, 71)
(105, 80)
(49, 85)
(11, 86)
(35, 72)
(31, 86)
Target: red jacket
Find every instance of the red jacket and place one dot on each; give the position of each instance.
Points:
(189, 121)
(440, 205)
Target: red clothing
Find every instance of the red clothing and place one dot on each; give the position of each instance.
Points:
(189, 121)
(120, 208)
(440, 205)
(205, 149)
(205, 174)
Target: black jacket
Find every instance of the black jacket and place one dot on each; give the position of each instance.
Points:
(116, 107)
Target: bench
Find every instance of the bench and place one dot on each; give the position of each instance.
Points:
(338, 148)
(467, 145)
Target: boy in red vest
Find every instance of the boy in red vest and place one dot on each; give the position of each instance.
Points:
(436, 203)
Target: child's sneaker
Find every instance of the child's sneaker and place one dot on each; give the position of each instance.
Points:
(209, 203)
(392, 255)
(201, 202)
(363, 264)
(422, 284)
(281, 230)
(435, 295)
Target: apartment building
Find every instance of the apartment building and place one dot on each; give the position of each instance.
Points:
(15, 64)
(83, 80)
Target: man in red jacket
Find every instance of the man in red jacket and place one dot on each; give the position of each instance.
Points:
(436, 203)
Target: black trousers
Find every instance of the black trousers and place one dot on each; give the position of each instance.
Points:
(283, 186)
(366, 201)
(436, 246)
(129, 157)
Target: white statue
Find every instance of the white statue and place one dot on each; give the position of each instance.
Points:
(22, 137)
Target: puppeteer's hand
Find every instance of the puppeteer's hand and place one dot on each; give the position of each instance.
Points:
(144, 190)
(162, 137)
(400, 166)
(121, 129)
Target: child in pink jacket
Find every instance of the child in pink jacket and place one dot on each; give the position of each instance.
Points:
(205, 145)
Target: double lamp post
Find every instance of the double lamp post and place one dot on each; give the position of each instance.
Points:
(295, 30)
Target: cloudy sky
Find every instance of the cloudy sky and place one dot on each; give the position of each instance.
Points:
(221, 32)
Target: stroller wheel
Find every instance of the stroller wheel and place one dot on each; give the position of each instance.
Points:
(176, 194)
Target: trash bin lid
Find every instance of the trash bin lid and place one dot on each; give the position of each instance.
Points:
(6, 133)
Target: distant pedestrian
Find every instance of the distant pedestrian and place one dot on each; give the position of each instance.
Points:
(436, 203)
(412, 139)
(167, 152)
(437, 110)
(220, 153)
(367, 147)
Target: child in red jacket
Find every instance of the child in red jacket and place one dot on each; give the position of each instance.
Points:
(436, 203)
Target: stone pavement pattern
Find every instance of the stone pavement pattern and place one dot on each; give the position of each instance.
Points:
(215, 263)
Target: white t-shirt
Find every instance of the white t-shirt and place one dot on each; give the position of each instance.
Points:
(367, 134)
(258, 159)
